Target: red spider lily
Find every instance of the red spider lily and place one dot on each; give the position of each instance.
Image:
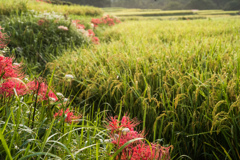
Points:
(8, 70)
(4, 39)
(69, 115)
(96, 22)
(42, 91)
(107, 20)
(77, 24)
(8, 86)
(123, 131)
(91, 33)
(114, 125)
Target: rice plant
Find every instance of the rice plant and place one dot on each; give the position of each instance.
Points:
(180, 77)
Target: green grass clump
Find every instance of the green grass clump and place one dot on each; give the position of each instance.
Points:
(30, 131)
(180, 77)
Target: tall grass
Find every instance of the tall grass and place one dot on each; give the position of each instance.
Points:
(46, 137)
(180, 78)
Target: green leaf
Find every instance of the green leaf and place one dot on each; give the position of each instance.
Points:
(5, 146)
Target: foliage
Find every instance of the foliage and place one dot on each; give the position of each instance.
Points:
(38, 39)
(201, 4)
(36, 133)
(232, 5)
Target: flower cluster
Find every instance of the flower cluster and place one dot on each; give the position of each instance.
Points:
(42, 91)
(12, 78)
(69, 116)
(4, 39)
(87, 33)
(123, 131)
(106, 20)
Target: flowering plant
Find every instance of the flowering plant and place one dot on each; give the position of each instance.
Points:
(89, 34)
(123, 131)
(69, 116)
(105, 20)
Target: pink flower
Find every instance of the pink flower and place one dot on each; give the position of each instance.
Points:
(63, 28)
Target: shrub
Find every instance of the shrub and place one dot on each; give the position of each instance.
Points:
(232, 5)
(40, 38)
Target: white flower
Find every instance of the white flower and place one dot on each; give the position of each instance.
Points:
(125, 130)
(116, 136)
(65, 99)
(60, 94)
(81, 30)
(26, 79)
(92, 25)
(16, 64)
(52, 99)
(69, 76)
(108, 140)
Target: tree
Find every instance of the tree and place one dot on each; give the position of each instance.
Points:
(201, 4)
(233, 5)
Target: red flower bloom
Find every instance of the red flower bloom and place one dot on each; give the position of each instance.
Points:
(91, 33)
(107, 20)
(122, 132)
(42, 91)
(69, 115)
(8, 86)
(77, 24)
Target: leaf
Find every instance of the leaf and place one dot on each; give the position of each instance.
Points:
(123, 146)
(5, 146)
